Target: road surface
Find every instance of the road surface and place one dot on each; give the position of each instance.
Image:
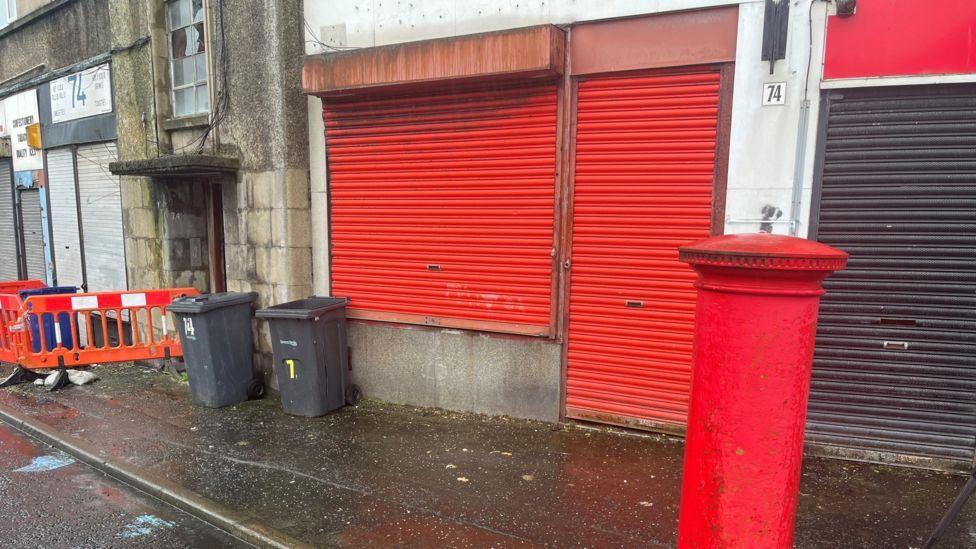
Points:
(49, 500)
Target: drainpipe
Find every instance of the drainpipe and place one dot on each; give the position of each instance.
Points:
(800, 155)
(800, 160)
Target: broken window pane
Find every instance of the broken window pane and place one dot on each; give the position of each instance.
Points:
(187, 41)
(197, 11)
(197, 35)
(188, 59)
(177, 43)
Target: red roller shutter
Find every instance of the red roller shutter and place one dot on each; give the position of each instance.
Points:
(442, 207)
(645, 162)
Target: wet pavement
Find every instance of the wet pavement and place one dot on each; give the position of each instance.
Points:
(47, 499)
(381, 475)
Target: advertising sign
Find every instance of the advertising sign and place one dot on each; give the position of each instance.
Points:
(82, 94)
(22, 112)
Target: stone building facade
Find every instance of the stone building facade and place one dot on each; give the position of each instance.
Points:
(215, 199)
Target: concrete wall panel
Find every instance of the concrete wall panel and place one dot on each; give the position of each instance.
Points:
(762, 157)
(457, 370)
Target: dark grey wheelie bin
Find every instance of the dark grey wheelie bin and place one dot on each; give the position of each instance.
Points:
(311, 361)
(215, 330)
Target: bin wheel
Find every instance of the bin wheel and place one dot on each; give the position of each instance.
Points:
(256, 389)
(353, 394)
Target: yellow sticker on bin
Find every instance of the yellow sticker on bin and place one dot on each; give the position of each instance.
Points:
(291, 368)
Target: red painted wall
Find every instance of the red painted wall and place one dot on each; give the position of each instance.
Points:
(902, 37)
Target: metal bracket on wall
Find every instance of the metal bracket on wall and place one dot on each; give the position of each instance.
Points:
(776, 20)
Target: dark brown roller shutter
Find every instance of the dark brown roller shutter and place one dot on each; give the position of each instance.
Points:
(895, 363)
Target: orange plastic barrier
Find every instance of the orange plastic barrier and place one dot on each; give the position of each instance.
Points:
(11, 327)
(105, 327)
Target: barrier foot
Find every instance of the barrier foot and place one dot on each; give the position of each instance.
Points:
(61, 379)
(172, 366)
(20, 375)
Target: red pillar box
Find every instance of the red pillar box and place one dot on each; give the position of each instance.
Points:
(755, 324)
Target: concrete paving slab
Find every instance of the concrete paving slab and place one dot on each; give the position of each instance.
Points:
(379, 474)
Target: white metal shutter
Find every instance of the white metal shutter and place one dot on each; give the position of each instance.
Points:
(64, 217)
(101, 217)
(8, 233)
(33, 228)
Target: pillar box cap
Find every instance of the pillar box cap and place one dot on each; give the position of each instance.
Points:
(763, 251)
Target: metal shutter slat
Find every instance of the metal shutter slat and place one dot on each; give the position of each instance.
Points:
(33, 230)
(65, 237)
(442, 206)
(643, 186)
(101, 216)
(899, 195)
(8, 232)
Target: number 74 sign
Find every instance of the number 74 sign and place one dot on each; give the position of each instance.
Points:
(82, 94)
(774, 93)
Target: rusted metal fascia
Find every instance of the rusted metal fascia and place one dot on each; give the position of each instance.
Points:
(722, 146)
(532, 51)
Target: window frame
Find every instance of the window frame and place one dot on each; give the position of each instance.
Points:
(196, 84)
(9, 12)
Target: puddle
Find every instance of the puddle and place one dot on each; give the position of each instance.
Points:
(143, 525)
(41, 464)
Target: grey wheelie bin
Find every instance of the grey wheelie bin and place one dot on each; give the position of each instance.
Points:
(215, 330)
(311, 360)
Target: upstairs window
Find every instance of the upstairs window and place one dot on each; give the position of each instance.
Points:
(187, 57)
(8, 12)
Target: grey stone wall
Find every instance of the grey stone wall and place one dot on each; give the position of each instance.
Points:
(266, 206)
(266, 213)
(164, 223)
(166, 233)
(256, 63)
(457, 370)
(165, 220)
(256, 49)
(67, 35)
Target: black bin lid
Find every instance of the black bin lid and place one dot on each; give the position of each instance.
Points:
(209, 302)
(303, 309)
